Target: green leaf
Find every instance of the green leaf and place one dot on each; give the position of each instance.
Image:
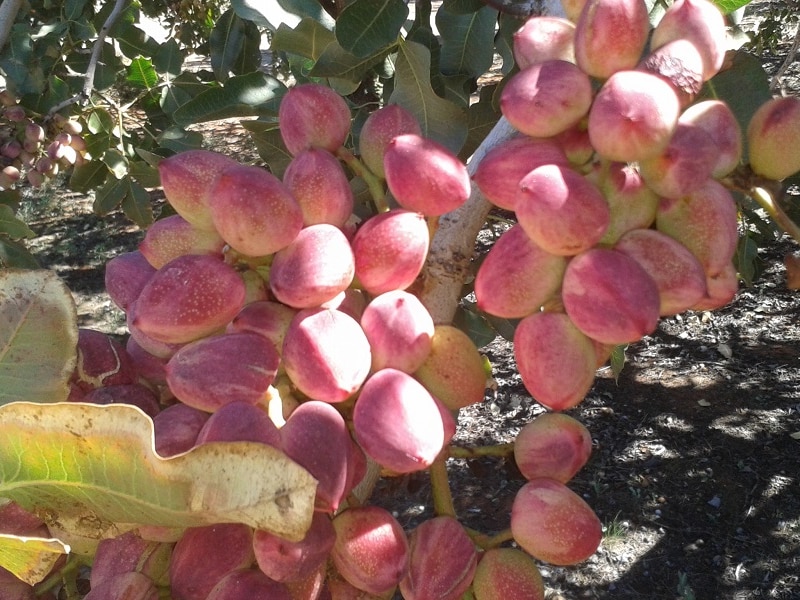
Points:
(308, 39)
(482, 116)
(56, 90)
(190, 83)
(82, 29)
(98, 463)
(14, 255)
(97, 143)
(108, 66)
(467, 41)
(133, 42)
(458, 89)
(504, 41)
(335, 61)
(100, 121)
(127, 18)
(11, 198)
(617, 361)
(21, 69)
(141, 73)
(728, 6)
(108, 197)
(242, 96)
(462, 7)
(178, 139)
(169, 58)
(73, 9)
(30, 558)
(136, 204)
(172, 98)
(151, 159)
(746, 258)
(439, 119)
(505, 327)
(249, 58)
(269, 145)
(88, 176)
(143, 172)
(366, 26)
(38, 339)
(116, 163)
(272, 14)
(226, 42)
(475, 326)
(12, 226)
(744, 87)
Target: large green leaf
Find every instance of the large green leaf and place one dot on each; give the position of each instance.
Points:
(125, 19)
(475, 325)
(307, 39)
(271, 14)
(21, 71)
(39, 337)
(12, 226)
(744, 86)
(136, 203)
(335, 61)
(462, 7)
(178, 139)
(56, 91)
(11, 198)
(100, 121)
(143, 172)
(366, 26)
(74, 8)
(249, 58)
(226, 43)
(141, 73)
(28, 558)
(172, 98)
(108, 65)
(169, 58)
(88, 176)
(15, 255)
(467, 41)
(269, 145)
(133, 42)
(108, 197)
(440, 120)
(482, 117)
(504, 41)
(254, 94)
(94, 465)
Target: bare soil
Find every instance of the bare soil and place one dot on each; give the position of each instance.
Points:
(695, 472)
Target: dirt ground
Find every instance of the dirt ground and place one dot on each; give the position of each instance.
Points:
(695, 472)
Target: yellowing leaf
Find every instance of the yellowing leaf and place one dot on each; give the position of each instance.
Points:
(28, 558)
(38, 336)
(95, 465)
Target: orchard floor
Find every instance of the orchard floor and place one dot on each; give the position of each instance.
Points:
(695, 472)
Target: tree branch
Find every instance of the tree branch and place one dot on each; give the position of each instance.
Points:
(453, 244)
(8, 13)
(88, 80)
(776, 79)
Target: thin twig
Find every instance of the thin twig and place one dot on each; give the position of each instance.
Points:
(88, 80)
(776, 79)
